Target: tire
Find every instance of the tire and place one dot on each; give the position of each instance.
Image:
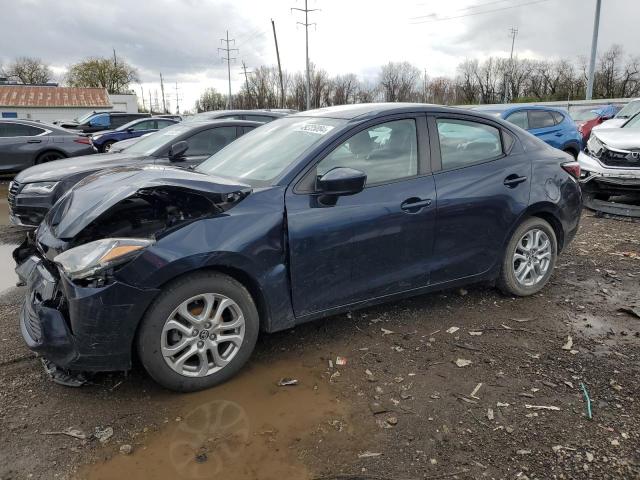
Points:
(509, 282)
(571, 152)
(50, 156)
(157, 335)
(106, 147)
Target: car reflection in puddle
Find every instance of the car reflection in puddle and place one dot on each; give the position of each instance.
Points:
(246, 428)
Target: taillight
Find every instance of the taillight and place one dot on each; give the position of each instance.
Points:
(83, 140)
(572, 168)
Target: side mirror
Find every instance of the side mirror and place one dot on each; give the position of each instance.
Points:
(177, 151)
(341, 181)
(130, 129)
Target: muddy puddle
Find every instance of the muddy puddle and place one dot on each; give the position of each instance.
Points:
(247, 428)
(4, 206)
(8, 277)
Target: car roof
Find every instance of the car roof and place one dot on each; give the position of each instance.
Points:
(221, 122)
(242, 112)
(512, 108)
(364, 110)
(36, 123)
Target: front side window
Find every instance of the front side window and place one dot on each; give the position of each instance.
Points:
(164, 123)
(100, 121)
(464, 143)
(385, 152)
(520, 119)
(146, 125)
(540, 119)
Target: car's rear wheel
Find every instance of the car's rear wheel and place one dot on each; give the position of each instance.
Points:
(529, 258)
(48, 157)
(199, 332)
(571, 152)
(106, 147)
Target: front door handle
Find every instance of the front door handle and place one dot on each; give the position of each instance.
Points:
(415, 204)
(514, 180)
(34, 140)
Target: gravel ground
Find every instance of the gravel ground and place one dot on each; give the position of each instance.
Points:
(401, 408)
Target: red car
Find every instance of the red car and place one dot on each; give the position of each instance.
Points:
(588, 117)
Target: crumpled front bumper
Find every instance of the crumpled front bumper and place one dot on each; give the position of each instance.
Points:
(597, 177)
(79, 328)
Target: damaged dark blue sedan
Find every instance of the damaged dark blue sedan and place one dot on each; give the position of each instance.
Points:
(314, 214)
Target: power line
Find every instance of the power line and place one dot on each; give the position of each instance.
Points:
(472, 7)
(306, 24)
(228, 51)
(480, 13)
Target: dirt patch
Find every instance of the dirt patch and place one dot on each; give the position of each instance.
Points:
(400, 408)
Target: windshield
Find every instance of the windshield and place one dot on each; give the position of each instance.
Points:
(584, 114)
(84, 117)
(163, 138)
(633, 122)
(629, 110)
(260, 156)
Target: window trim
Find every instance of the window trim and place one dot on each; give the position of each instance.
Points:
(436, 157)
(301, 184)
(45, 131)
(523, 110)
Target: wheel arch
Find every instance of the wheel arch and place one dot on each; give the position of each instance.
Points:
(46, 150)
(546, 212)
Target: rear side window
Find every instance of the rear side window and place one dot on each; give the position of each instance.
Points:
(520, 119)
(557, 117)
(164, 123)
(19, 130)
(540, 119)
(102, 121)
(208, 142)
(146, 125)
(119, 120)
(464, 143)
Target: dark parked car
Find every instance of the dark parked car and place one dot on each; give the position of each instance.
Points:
(98, 121)
(263, 116)
(35, 190)
(318, 213)
(103, 141)
(24, 143)
(551, 125)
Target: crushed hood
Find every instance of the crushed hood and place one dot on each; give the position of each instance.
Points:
(96, 194)
(611, 123)
(619, 138)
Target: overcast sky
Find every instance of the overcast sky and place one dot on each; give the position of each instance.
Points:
(180, 37)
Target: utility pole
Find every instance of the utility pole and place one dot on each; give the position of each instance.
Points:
(246, 81)
(513, 31)
(142, 96)
(150, 103)
(177, 100)
(275, 39)
(164, 103)
(424, 87)
(306, 24)
(228, 51)
(594, 48)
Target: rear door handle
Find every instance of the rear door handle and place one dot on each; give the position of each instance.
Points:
(513, 180)
(34, 140)
(414, 204)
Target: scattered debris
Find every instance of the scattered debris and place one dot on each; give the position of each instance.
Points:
(476, 390)
(490, 413)
(542, 407)
(462, 292)
(377, 408)
(453, 329)
(126, 449)
(461, 362)
(386, 332)
(289, 382)
(369, 454)
(557, 448)
(201, 457)
(370, 376)
(588, 400)
(475, 334)
(341, 361)
(569, 344)
(523, 452)
(502, 405)
(70, 432)
(333, 376)
(589, 456)
(615, 442)
(631, 310)
(392, 421)
(103, 434)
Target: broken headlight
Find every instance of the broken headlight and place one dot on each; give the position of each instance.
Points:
(85, 260)
(43, 188)
(595, 146)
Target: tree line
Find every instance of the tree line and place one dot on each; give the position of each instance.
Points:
(492, 80)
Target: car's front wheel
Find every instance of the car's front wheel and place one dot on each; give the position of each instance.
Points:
(106, 148)
(529, 258)
(199, 332)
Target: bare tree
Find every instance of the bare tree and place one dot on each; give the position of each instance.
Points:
(399, 82)
(209, 100)
(111, 73)
(344, 89)
(29, 71)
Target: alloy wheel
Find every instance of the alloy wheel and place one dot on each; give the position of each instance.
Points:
(202, 335)
(532, 257)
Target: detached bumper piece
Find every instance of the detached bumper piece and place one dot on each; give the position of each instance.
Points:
(75, 328)
(61, 376)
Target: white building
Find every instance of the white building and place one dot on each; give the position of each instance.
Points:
(50, 103)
